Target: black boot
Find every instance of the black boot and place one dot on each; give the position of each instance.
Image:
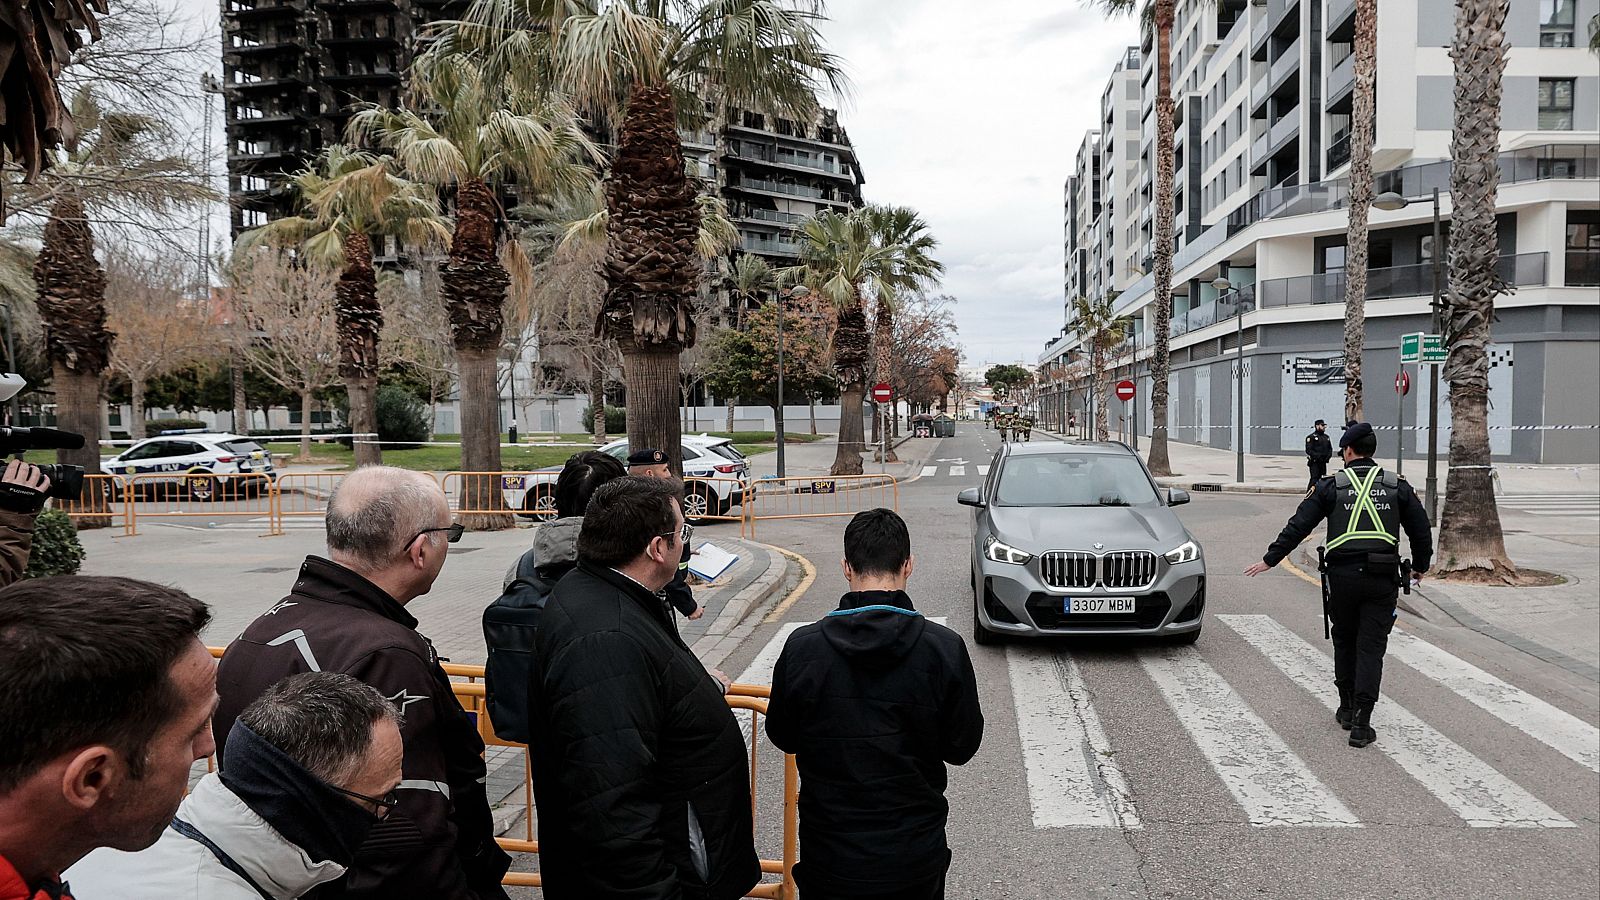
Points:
(1361, 733)
(1347, 709)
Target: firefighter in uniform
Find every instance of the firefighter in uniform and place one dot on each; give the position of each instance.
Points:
(1027, 428)
(1002, 424)
(1362, 571)
(1319, 449)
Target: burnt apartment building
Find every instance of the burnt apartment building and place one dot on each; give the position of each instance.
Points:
(294, 71)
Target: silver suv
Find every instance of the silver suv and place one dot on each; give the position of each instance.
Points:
(1075, 538)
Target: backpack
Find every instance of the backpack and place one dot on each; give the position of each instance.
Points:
(508, 626)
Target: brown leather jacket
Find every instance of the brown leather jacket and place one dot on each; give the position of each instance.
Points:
(16, 540)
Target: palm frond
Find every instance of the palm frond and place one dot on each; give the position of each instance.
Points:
(717, 236)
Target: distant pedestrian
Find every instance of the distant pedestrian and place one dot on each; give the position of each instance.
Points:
(640, 774)
(1319, 449)
(874, 701)
(654, 464)
(312, 766)
(105, 702)
(389, 531)
(1365, 507)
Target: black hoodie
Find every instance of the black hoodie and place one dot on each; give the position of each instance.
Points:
(873, 701)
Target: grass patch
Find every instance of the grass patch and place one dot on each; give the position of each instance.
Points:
(767, 437)
(434, 459)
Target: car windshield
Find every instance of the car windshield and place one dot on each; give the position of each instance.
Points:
(727, 452)
(244, 448)
(1073, 479)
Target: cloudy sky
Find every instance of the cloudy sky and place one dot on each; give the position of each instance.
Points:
(972, 113)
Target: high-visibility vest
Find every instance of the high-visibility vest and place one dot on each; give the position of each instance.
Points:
(1366, 511)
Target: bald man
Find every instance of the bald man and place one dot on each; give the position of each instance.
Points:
(389, 531)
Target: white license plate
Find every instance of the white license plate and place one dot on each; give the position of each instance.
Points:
(1074, 605)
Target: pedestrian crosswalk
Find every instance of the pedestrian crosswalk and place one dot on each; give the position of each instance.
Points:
(1579, 506)
(1074, 757)
(959, 470)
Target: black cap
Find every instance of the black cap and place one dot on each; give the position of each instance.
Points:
(1319, 422)
(647, 457)
(1355, 431)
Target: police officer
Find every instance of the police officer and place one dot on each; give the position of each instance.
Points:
(1319, 449)
(1365, 507)
(653, 464)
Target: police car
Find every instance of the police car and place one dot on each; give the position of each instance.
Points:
(205, 464)
(704, 456)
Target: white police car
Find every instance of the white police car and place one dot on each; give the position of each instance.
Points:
(205, 464)
(724, 468)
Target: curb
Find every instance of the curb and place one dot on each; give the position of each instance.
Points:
(1227, 487)
(734, 624)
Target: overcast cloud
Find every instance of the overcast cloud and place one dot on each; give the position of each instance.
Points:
(971, 113)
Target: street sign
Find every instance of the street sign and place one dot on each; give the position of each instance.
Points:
(881, 392)
(1402, 384)
(1124, 390)
(1433, 352)
(1421, 347)
(1410, 347)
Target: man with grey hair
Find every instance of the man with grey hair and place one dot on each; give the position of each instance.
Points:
(388, 534)
(312, 766)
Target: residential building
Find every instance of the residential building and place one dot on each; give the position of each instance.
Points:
(1260, 198)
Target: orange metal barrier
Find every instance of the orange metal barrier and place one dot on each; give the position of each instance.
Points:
(306, 495)
(713, 500)
(480, 493)
(472, 696)
(200, 496)
(810, 498)
(103, 497)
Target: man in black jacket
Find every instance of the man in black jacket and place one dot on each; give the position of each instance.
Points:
(639, 769)
(388, 532)
(1319, 449)
(873, 701)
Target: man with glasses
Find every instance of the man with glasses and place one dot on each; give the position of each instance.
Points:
(389, 531)
(639, 769)
(312, 767)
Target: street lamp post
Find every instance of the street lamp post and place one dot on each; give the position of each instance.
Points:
(783, 297)
(1224, 287)
(1137, 398)
(1389, 200)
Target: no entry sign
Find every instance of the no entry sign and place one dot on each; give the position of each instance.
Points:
(1124, 390)
(1402, 384)
(881, 392)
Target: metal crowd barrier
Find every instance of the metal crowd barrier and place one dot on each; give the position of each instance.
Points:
(471, 694)
(103, 497)
(698, 502)
(306, 495)
(811, 498)
(478, 493)
(199, 496)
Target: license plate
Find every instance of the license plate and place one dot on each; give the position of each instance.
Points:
(1072, 605)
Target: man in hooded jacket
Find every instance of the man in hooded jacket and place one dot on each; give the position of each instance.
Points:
(874, 701)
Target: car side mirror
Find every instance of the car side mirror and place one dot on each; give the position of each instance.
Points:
(1177, 497)
(970, 497)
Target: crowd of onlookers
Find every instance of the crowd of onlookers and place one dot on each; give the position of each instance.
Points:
(346, 767)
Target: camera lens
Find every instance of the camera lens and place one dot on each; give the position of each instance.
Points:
(66, 482)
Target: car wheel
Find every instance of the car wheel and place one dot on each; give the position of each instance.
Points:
(201, 488)
(539, 503)
(699, 503)
(1185, 639)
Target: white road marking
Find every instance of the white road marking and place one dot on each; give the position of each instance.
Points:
(1073, 777)
(929, 471)
(1477, 793)
(1544, 722)
(984, 471)
(1271, 783)
(958, 471)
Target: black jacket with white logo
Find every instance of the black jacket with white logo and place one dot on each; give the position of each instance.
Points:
(874, 701)
(438, 843)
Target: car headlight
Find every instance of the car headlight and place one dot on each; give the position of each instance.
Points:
(1004, 553)
(1186, 552)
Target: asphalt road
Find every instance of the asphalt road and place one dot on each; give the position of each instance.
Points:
(1218, 770)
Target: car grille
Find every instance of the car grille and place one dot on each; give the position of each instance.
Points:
(1149, 612)
(1128, 569)
(1067, 570)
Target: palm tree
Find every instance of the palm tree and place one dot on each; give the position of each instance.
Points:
(1098, 325)
(646, 65)
(1470, 538)
(1355, 261)
(1159, 14)
(350, 195)
(480, 132)
(903, 236)
(752, 280)
(37, 39)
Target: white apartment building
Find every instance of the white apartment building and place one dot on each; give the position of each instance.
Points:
(1262, 151)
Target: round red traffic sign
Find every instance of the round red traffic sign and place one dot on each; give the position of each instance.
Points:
(1402, 384)
(881, 392)
(1124, 390)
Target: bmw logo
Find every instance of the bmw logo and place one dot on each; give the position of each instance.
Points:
(1099, 546)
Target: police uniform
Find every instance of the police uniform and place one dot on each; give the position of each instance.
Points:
(677, 592)
(1366, 509)
(1319, 449)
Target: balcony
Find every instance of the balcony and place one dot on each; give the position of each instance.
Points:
(245, 10)
(1583, 268)
(771, 215)
(761, 156)
(1339, 151)
(699, 138)
(1522, 270)
(1341, 81)
(1285, 65)
(787, 190)
(1340, 25)
(770, 247)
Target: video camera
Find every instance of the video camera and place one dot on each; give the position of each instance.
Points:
(66, 482)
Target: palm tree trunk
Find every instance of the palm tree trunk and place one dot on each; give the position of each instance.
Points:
(1470, 536)
(850, 346)
(1098, 377)
(305, 425)
(241, 403)
(1355, 261)
(359, 320)
(136, 429)
(474, 286)
(597, 398)
(883, 348)
(811, 401)
(1161, 252)
(651, 265)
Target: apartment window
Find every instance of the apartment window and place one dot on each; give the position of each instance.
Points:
(1555, 23)
(252, 218)
(1333, 258)
(1555, 104)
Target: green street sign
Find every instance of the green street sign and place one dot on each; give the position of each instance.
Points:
(1411, 347)
(1422, 348)
(1433, 352)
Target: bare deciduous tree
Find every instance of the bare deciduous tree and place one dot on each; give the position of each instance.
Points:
(416, 334)
(289, 304)
(158, 327)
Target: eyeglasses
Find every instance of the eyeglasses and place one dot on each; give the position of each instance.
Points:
(383, 805)
(684, 534)
(454, 532)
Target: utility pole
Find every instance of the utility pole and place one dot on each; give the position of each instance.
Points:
(1432, 483)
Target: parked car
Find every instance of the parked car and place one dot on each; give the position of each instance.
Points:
(704, 457)
(1075, 538)
(205, 465)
